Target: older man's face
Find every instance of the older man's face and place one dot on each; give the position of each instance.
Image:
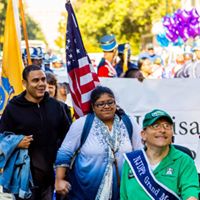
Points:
(158, 134)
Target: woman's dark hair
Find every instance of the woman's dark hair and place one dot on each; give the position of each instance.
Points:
(134, 73)
(52, 80)
(131, 73)
(29, 69)
(98, 91)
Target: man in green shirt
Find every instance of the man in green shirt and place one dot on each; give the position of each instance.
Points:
(172, 169)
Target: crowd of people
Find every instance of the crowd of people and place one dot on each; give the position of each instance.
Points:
(150, 64)
(104, 155)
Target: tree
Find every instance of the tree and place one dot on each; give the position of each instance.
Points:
(128, 20)
(60, 40)
(33, 29)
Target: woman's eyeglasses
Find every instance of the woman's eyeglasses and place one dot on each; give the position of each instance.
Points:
(103, 104)
(157, 126)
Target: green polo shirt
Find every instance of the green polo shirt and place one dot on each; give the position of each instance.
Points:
(177, 171)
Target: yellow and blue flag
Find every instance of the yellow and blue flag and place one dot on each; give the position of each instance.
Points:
(12, 64)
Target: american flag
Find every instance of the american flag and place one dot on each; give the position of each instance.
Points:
(82, 77)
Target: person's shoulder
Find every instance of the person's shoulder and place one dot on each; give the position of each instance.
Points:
(17, 100)
(81, 119)
(180, 153)
(51, 99)
(53, 103)
(80, 122)
(58, 104)
(132, 154)
(63, 104)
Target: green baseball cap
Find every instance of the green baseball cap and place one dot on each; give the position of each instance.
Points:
(154, 115)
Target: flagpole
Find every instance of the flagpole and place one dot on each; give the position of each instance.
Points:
(25, 31)
(125, 64)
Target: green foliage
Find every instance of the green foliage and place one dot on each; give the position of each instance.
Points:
(3, 5)
(60, 40)
(33, 29)
(129, 20)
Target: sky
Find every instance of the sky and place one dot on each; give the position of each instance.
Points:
(47, 13)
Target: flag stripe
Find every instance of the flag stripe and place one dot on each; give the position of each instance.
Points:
(85, 97)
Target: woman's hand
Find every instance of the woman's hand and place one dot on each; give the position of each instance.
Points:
(25, 142)
(62, 187)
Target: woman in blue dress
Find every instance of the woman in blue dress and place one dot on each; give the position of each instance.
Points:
(97, 168)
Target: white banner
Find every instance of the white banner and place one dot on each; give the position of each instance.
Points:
(179, 97)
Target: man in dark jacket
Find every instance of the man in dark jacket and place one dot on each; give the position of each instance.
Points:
(44, 123)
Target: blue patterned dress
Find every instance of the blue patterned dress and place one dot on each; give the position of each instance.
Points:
(93, 160)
